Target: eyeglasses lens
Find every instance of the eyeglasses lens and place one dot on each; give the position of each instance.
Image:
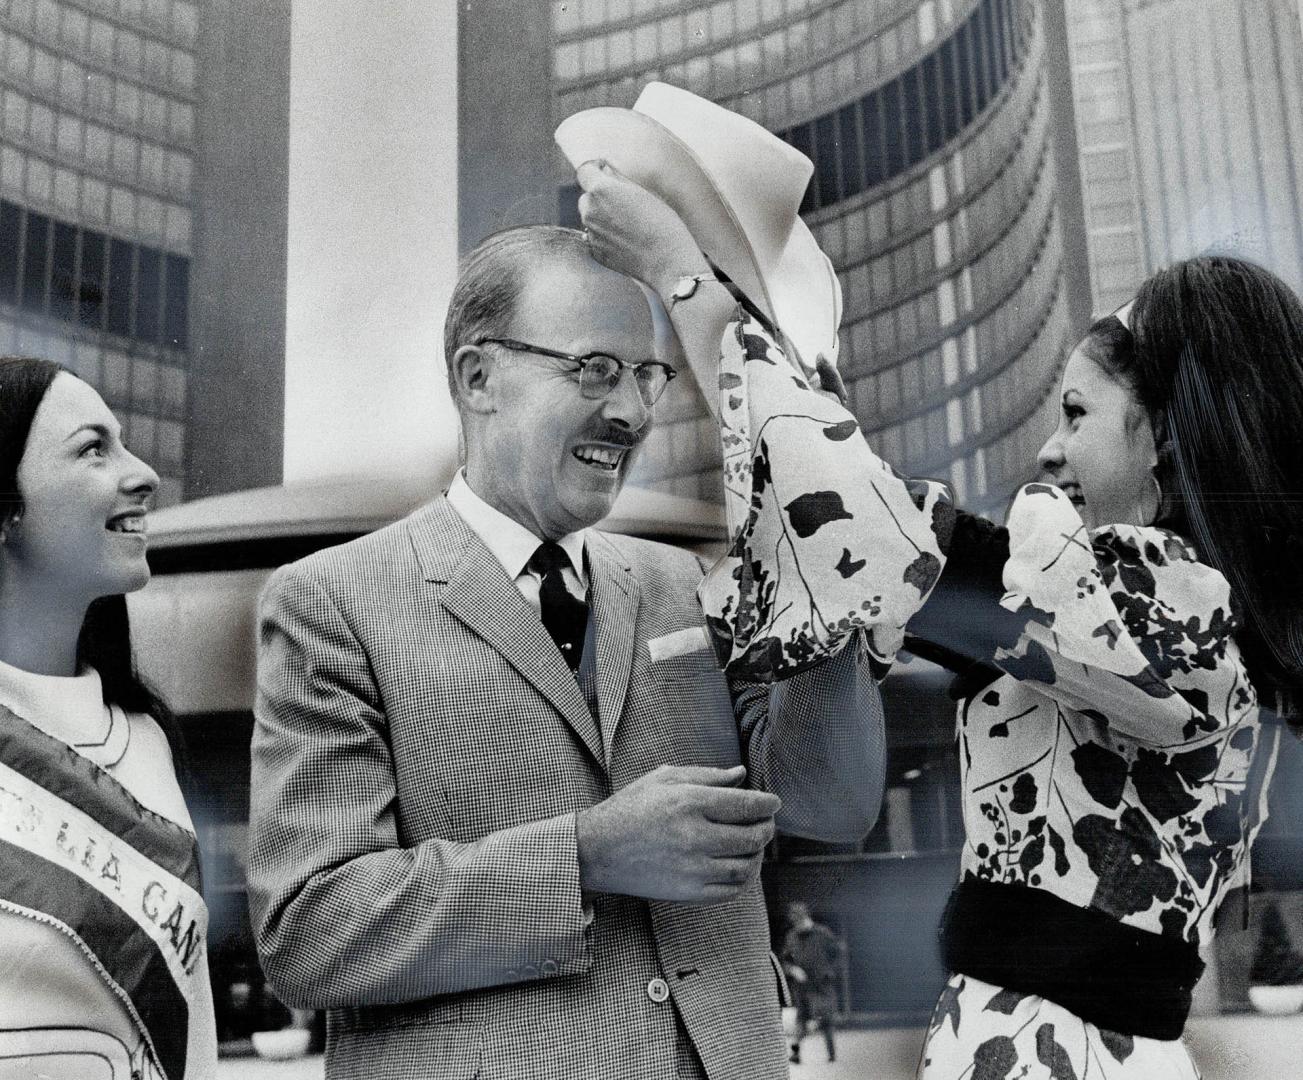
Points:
(601, 375)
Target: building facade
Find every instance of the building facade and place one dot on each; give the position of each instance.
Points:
(101, 188)
(1189, 123)
(934, 194)
(96, 227)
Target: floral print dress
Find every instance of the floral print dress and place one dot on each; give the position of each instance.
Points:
(1109, 761)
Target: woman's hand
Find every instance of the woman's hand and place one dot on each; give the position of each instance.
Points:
(633, 231)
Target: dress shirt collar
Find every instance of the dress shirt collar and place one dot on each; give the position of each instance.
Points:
(508, 541)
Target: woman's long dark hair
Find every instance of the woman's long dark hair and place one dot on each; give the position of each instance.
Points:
(1216, 359)
(105, 639)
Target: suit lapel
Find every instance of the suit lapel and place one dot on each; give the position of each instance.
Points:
(613, 599)
(476, 590)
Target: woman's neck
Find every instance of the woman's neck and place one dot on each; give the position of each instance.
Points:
(39, 630)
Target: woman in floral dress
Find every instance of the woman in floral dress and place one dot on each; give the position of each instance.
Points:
(1123, 641)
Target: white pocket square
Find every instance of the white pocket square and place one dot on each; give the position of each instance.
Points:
(693, 639)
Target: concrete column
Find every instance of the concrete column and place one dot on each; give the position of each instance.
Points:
(373, 228)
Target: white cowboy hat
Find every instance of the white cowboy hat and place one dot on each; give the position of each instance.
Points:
(738, 188)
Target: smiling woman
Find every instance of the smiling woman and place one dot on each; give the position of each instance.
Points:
(102, 925)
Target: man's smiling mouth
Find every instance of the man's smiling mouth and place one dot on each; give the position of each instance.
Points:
(607, 458)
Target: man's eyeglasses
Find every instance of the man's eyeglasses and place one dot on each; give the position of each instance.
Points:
(599, 373)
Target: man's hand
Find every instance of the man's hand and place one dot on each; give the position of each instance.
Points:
(633, 231)
(686, 833)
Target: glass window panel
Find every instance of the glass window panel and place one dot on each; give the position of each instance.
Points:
(947, 64)
(74, 27)
(150, 217)
(156, 13)
(35, 253)
(11, 223)
(183, 122)
(748, 15)
(155, 111)
(185, 21)
(176, 320)
(98, 144)
(144, 382)
(122, 257)
(771, 10)
(915, 122)
(178, 227)
(101, 40)
(933, 106)
(721, 21)
(15, 114)
(126, 51)
(91, 292)
(148, 293)
(851, 163)
(671, 36)
(47, 18)
(124, 155)
(179, 173)
(63, 272)
(39, 178)
(141, 430)
(152, 165)
(183, 70)
(156, 60)
(874, 151)
(621, 49)
(967, 76)
(594, 55)
(981, 57)
(66, 191)
(892, 129)
(171, 389)
(126, 103)
(72, 81)
(99, 91)
(644, 43)
(825, 160)
(698, 69)
(18, 57)
(94, 198)
(170, 444)
(70, 128)
(42, 125)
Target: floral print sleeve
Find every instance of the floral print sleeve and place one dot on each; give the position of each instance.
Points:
(827, 540)
(1124, 623)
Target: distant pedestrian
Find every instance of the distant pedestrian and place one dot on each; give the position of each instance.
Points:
(812, 956)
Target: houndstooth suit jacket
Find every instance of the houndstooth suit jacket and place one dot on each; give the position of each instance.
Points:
(420, 752)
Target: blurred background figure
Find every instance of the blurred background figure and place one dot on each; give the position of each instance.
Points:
(812, 958)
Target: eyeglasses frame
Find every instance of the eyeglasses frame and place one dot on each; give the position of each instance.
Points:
(582, 360)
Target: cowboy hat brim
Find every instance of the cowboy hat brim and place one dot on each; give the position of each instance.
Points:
(798, 293)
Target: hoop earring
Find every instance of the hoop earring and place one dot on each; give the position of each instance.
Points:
(1158, 495)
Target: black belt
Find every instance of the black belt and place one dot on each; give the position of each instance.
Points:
(1118, 977)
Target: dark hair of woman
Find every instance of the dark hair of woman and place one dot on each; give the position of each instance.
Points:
(1215, 355)
(105, 639)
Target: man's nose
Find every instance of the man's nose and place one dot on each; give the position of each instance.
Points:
(624, 404)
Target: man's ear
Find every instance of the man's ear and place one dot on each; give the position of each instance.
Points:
(472, 372)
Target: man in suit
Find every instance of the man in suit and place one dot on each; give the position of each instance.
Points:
(507, 815)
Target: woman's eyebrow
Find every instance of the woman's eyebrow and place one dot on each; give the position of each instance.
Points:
(99, 429)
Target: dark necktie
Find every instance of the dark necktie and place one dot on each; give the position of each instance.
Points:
(564, 617)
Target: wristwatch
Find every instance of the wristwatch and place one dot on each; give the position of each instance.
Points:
(686, 287)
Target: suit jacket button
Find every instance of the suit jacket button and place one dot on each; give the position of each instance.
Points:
(513, 975)
(549, 967)
(529, 971)
(658, 990)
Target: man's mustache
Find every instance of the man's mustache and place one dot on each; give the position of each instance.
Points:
(618, 436)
